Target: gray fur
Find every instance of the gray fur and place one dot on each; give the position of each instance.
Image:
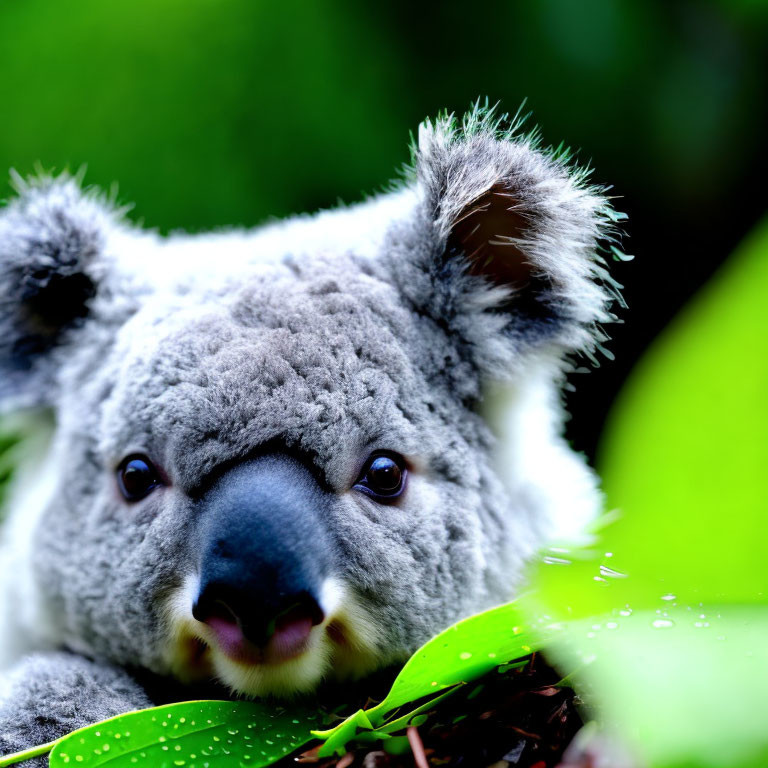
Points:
(55, 693)
(328, 336)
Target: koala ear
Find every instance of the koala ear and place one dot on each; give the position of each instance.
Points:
(51, 243)
(515, 235)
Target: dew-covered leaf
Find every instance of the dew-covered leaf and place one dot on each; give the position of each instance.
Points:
(194, 734)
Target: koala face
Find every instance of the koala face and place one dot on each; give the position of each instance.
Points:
(269, 465)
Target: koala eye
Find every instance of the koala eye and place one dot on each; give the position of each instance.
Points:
(383, 476)
(137, 477)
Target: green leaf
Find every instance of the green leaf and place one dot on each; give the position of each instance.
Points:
(683, 690)
(336, 739)
(415, 716)
(399, 745)
(460, 654)
(666, 615)
(685, 451)
(194, 734)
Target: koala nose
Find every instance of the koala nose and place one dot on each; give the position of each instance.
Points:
(264, 557)
(238, 623)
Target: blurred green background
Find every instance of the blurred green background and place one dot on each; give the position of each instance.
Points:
(211, 114)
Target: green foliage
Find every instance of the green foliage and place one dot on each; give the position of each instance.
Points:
(212, 114)
(7, 442)
(22, 434)
(196, 108)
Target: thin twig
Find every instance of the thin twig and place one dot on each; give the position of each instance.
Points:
(346, 761)
(417, 747)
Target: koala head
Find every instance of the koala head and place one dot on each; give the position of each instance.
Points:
(270, 464)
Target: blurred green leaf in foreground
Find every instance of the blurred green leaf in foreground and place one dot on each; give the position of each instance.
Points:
(668, 618)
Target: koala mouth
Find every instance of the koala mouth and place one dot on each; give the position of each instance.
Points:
(287, 636)
(298, 651)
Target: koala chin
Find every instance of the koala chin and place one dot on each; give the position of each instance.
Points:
(276, 457)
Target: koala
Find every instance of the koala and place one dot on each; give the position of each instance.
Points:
(279, 457)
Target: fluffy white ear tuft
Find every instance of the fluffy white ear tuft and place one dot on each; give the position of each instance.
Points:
(52, 239)
(523, 222)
